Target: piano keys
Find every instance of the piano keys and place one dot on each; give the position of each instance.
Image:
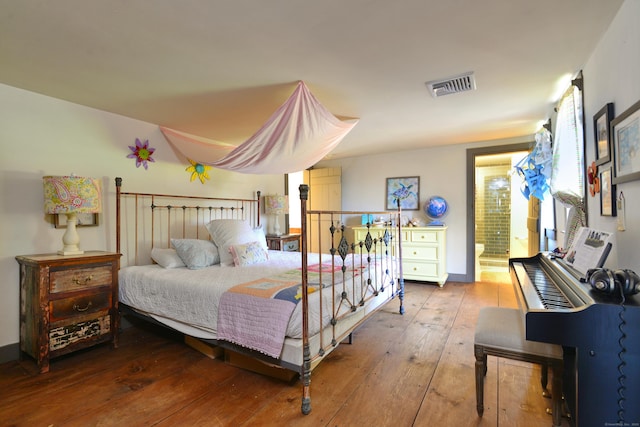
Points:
(600, 337)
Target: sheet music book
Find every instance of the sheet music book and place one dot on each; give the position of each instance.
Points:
(589, 249)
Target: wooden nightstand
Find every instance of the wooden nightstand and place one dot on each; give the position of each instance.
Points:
(67, 303)
(289, 242)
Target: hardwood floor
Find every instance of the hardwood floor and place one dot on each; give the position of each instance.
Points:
(411, 370)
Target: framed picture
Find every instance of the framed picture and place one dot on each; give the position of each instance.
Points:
(625, 131)
(84, 220)
(607, 193)
(408, 188)
(602, 136)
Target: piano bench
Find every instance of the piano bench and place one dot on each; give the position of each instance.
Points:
(500, 332)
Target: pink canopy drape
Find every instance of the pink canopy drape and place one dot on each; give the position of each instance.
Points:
(298, 135)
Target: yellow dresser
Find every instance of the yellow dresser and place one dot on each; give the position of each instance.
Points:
(424, 254)
(424, 251)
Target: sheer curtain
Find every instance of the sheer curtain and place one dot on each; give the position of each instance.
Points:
(567, 176)
(298, 135)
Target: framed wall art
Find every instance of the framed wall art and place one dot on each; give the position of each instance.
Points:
(84, 220)
(407, 189)
(625, 133)
(607, 193)
(601, 133)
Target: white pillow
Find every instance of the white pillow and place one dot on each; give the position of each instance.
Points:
(248, 254)
(228, 232)
(167, 258)
(260, 237)
(196, 253)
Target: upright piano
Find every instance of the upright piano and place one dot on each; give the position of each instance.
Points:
(600, 338)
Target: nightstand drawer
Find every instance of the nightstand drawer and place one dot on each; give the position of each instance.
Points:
(75, 278)
(64, 336)
(291, 246)
(288, 242)
(79, 305)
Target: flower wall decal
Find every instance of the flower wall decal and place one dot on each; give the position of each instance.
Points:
(198, 170)
(142, 153)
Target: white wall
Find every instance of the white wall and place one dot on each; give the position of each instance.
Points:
(612, 74)
(41, 136)
(442, 172)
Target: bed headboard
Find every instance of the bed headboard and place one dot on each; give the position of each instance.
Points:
(148, 220)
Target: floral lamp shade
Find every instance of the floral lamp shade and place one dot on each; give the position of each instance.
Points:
(276, 205)
(71, 195)
(64, 194)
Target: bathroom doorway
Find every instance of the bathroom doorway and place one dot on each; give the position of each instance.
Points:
(498, 224)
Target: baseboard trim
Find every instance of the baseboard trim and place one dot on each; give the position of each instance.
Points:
(9, 352)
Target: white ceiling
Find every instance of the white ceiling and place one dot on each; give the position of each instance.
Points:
(219, 68)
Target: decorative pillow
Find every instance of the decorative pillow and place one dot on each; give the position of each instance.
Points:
(167, 258)
(248, 254)
(228, 232)
(196, 253)
(260, 237)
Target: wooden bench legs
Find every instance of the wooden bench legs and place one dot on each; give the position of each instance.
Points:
(500, 333)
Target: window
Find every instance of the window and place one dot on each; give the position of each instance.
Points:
(567, 176)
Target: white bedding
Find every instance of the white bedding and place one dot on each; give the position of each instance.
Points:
(187, 300)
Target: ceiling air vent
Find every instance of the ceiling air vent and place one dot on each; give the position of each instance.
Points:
(461, 83)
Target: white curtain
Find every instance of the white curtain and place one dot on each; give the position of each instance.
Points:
(298, 135)
(567, 176)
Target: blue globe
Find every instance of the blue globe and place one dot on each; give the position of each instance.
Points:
(435, 208)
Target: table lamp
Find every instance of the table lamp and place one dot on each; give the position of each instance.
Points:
(71, 195)
(276, 205)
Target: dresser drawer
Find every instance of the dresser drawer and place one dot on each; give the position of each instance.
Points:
(76, 278)
(420, 270)
(426, 236)
(79, 305)
(360, 233)
(427, 253)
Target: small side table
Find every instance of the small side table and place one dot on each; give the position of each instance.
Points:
(288, 242)
(67, 303)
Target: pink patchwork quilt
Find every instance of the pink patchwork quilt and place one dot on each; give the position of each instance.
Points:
(256, 314)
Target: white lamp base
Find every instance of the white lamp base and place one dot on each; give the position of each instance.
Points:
(71, 238)
(276, 226)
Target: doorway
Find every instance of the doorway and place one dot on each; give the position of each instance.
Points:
(497, 225)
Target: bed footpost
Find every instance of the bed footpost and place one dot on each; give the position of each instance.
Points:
(306, 380)
(401, 274)
(305, 374)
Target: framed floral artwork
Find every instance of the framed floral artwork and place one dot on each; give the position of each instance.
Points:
(405, 189)
(602, 136)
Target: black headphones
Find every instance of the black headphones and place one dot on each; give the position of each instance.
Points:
(613, 282)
